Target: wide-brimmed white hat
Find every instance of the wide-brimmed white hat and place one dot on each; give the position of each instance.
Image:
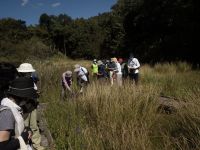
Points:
(77, 68)
(68, 73)
(99, 62)
(25, 67)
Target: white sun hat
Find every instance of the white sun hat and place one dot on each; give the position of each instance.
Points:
(68, 73)
(77, 68)
(25, 67)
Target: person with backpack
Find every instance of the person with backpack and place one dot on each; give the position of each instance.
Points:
(82, 76)
(133, 68)
(17, 103)
(27, 70)
(102, 74)
(66, 83)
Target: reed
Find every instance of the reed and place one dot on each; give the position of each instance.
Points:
(126, 117)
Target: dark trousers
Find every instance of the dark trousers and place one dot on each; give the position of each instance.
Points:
(135, 77)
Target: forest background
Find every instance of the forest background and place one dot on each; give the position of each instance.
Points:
(153, 30)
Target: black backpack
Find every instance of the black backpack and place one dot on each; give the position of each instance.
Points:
(8, 73)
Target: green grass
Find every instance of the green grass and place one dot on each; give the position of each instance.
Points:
(123, 117)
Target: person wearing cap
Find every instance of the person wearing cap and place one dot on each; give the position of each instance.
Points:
(66, 83)
(133, 68)
(94, 69)
(82, 76)
(17, 103)
(27, 70)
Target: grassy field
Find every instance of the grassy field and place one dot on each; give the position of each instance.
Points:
(123, 117)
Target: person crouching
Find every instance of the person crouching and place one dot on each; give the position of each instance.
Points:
(82, 76)
(66, 83)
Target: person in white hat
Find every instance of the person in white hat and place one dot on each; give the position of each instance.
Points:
(82, 76)
(66, 83)
(27, 70)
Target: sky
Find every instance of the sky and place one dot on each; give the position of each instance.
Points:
(30, 10)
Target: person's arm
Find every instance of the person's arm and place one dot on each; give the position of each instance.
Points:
(137, 64)
(65, 82)
(67, 87)
(6, 143)
(63, 78)
(12, 144)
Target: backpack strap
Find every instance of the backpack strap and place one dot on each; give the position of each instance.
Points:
(86, 74)
(83, 71)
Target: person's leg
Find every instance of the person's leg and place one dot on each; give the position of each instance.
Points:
(119, 79)
(63, 93)
(31, 121)
(81, 84)
(111, 77)
(131, 77)
(136, 78)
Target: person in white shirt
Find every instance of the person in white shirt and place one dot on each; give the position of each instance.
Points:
(133, 68)
(118, 72)
(82, 76)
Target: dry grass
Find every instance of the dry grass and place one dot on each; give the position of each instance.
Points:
(123, 117)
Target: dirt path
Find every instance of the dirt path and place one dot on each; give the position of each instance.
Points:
(47, 140)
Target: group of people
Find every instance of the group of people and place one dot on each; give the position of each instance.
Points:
(114, 70)
(82, 76)
(19, 97)
(18, 108)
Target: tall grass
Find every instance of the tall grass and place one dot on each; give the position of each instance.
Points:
(126, 117)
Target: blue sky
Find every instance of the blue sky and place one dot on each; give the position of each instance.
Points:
(30, 10)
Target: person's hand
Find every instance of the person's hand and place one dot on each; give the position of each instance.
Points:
(26, 134)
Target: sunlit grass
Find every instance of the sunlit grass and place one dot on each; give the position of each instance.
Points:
(126, 117)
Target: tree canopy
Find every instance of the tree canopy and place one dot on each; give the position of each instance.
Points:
(153, 30)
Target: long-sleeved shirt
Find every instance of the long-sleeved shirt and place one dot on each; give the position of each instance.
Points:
(134, 65)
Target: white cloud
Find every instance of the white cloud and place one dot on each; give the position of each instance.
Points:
(56, 4)
(24, 2)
